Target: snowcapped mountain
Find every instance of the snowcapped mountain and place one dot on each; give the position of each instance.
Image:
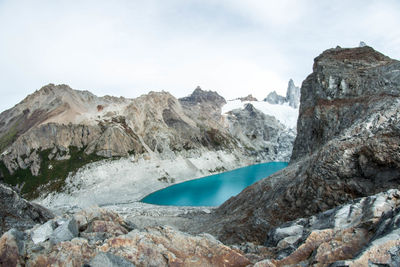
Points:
(292, 96)
(284, 109)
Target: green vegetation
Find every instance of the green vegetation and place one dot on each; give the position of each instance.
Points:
(9, 137)
(50, 178)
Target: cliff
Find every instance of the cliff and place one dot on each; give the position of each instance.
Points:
(346, 147)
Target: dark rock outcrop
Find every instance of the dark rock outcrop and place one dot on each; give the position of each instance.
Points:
(16, 212)
(347, 147)
(347, 86)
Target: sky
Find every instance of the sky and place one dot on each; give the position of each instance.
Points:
(130, 47)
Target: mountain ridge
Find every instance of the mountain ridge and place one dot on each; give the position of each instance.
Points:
(58, 123)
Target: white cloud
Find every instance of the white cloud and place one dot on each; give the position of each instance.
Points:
(270, 13)
(130, 47)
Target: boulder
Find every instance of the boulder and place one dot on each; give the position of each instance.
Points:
(65, 232)
(43, 232)
(12, 248)
(16, 212)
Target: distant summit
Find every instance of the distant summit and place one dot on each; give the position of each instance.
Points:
(247, 98)
(292, 96)
(199, 96)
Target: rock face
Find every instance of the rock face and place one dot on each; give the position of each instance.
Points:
(347, 86)
(346, 147)
(16, 212)
(57, 130)
(263, 135)
(292, 96)
(105, 239)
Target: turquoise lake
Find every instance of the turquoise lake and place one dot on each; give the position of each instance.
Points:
(215, 189)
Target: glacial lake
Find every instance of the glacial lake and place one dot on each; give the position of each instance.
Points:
(215, 189)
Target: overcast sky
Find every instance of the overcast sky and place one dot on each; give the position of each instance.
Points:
(128, 48)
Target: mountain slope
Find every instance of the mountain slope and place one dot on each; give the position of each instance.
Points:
(346, 147)
(57, 130)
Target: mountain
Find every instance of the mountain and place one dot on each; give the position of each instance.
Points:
(336, 204)
(292, 96)
(57, 130)
(346, 147)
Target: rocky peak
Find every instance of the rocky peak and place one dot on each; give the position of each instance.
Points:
(274, 98)
(292, 96)
(348, 58)
(199, 96)
(247, 98)
(339, 92)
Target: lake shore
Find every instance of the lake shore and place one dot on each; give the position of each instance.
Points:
(120, 184)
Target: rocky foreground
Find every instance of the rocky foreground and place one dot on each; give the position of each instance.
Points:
(365, 231)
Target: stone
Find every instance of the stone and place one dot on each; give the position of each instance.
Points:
(43, 232)
(108, 259)
(12, 248)
(65, 232)
(109, 227)
(16, 212)
(81, 220)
